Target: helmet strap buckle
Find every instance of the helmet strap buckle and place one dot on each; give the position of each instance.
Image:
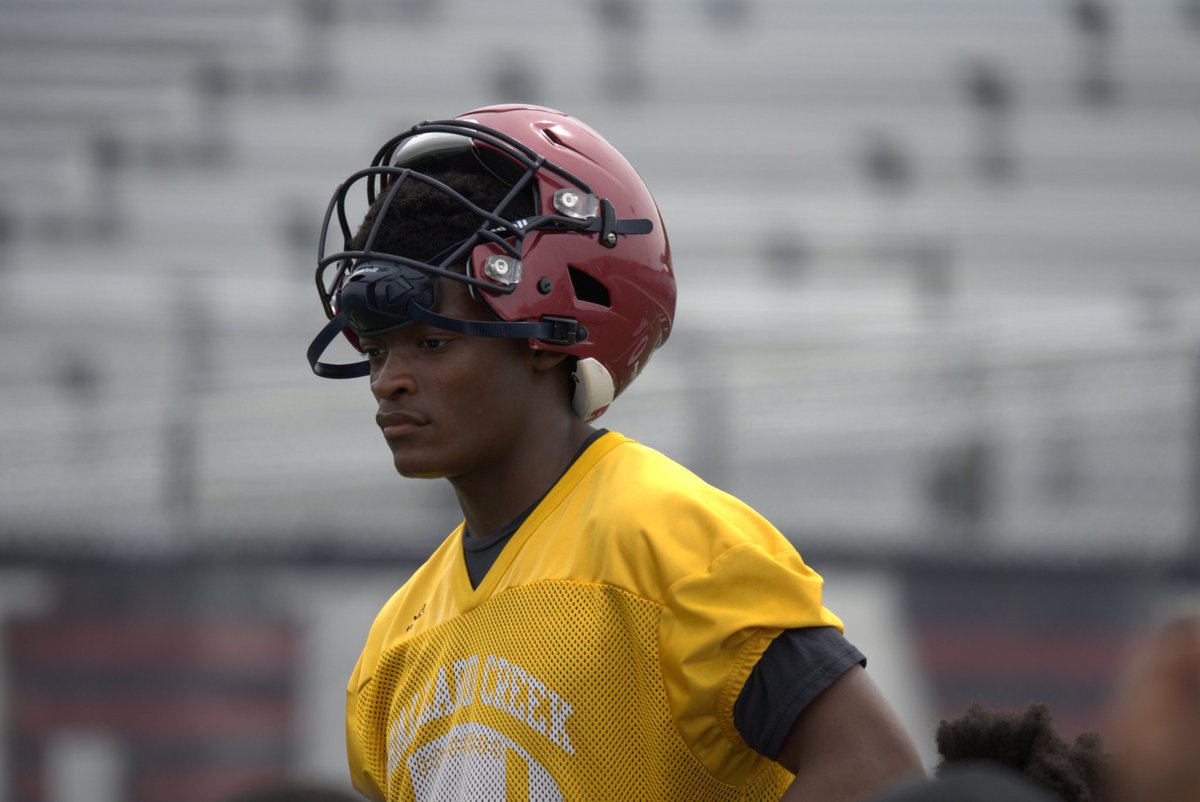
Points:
(564, 331)
(608, 224)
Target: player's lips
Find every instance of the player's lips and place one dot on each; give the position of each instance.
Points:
(399, 424)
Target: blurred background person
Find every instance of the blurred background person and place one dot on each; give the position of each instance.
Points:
(1155, 728)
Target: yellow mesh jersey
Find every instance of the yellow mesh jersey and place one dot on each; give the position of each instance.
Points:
(600, 657)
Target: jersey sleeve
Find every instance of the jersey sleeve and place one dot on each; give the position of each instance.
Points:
(716, 624)
(794, 670)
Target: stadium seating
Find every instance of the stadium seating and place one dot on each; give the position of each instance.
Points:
(866, 306)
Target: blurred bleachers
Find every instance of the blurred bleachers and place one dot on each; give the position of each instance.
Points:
(939, 262)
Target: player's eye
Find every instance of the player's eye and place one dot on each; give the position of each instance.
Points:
(372, 353)
(432, 343)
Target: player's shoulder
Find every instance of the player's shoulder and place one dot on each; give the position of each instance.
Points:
(630, 473)
(653, 510)
(644, 487)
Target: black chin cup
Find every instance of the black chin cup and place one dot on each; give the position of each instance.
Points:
(378, 297)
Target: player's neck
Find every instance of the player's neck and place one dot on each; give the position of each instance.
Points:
(492, 497)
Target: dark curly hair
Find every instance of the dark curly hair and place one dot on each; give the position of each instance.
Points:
(422, 221)
(1027, 743)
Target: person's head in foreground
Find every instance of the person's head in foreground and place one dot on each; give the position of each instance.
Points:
(292, 792)
(603, 624)
(980, 783)
(1155, 717)
(1026, 743)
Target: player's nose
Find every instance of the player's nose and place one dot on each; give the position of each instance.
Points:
(392, 377)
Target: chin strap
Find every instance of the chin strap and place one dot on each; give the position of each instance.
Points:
(330, 370)
(550, 330)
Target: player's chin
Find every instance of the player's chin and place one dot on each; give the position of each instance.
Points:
(420, 472)
(414, 463)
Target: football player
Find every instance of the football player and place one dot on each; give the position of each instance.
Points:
(603, 624)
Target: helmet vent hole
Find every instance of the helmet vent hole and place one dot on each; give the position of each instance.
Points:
(588, 288)
(553, 137)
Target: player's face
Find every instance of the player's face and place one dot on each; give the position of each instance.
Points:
(449, 404)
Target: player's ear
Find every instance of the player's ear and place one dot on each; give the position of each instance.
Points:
(546, 360)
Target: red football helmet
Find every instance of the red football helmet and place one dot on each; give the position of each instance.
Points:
(588, 274)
